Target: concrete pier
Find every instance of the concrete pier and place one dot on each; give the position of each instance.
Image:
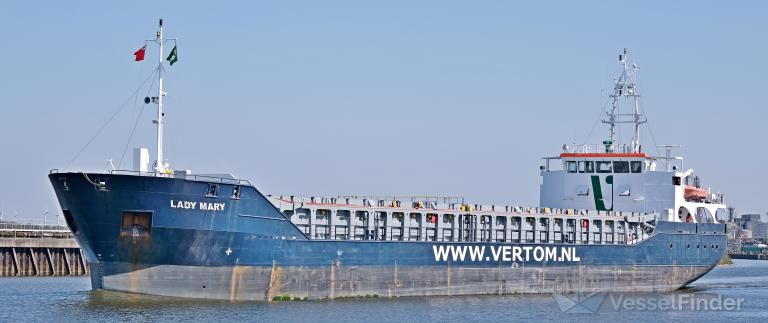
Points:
(39, 250)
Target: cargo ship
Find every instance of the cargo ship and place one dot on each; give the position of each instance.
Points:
(609, 219)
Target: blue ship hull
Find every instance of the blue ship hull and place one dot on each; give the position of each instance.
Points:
(248, 250)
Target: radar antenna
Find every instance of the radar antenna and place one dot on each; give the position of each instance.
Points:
(625, 86)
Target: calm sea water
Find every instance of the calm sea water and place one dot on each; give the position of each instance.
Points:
(70, 299)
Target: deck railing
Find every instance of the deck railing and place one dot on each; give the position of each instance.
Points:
(191, 177)
(596, 149)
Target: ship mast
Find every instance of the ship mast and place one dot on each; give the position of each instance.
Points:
(160, 166)
(160, 163)
(625, 86)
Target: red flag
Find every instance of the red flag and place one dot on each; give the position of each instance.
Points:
(140, 54)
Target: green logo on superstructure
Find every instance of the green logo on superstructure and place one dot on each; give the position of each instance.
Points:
(596, 187)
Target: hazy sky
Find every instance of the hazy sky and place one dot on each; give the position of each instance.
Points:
(387, 97)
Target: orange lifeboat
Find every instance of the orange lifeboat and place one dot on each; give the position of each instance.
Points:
(695, 193)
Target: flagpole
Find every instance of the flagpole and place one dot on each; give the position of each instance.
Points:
(160, 167)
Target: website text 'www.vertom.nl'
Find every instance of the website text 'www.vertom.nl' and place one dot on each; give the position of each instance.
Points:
(475, 253)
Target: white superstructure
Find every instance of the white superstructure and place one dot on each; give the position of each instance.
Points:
(621, 177)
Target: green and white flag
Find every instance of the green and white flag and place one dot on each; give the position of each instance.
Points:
(172, 56)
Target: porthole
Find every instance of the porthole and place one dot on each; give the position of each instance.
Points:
(688, 246)
(705, 246)
(670, 246)
(697, 246)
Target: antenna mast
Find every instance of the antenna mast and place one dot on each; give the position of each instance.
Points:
(625, 86)
(160, 165)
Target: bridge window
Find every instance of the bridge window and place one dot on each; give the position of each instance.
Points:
(586, 167)
(571, 166)
(236, 192)
(603, 167)
(621, 167)
(636, 166)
